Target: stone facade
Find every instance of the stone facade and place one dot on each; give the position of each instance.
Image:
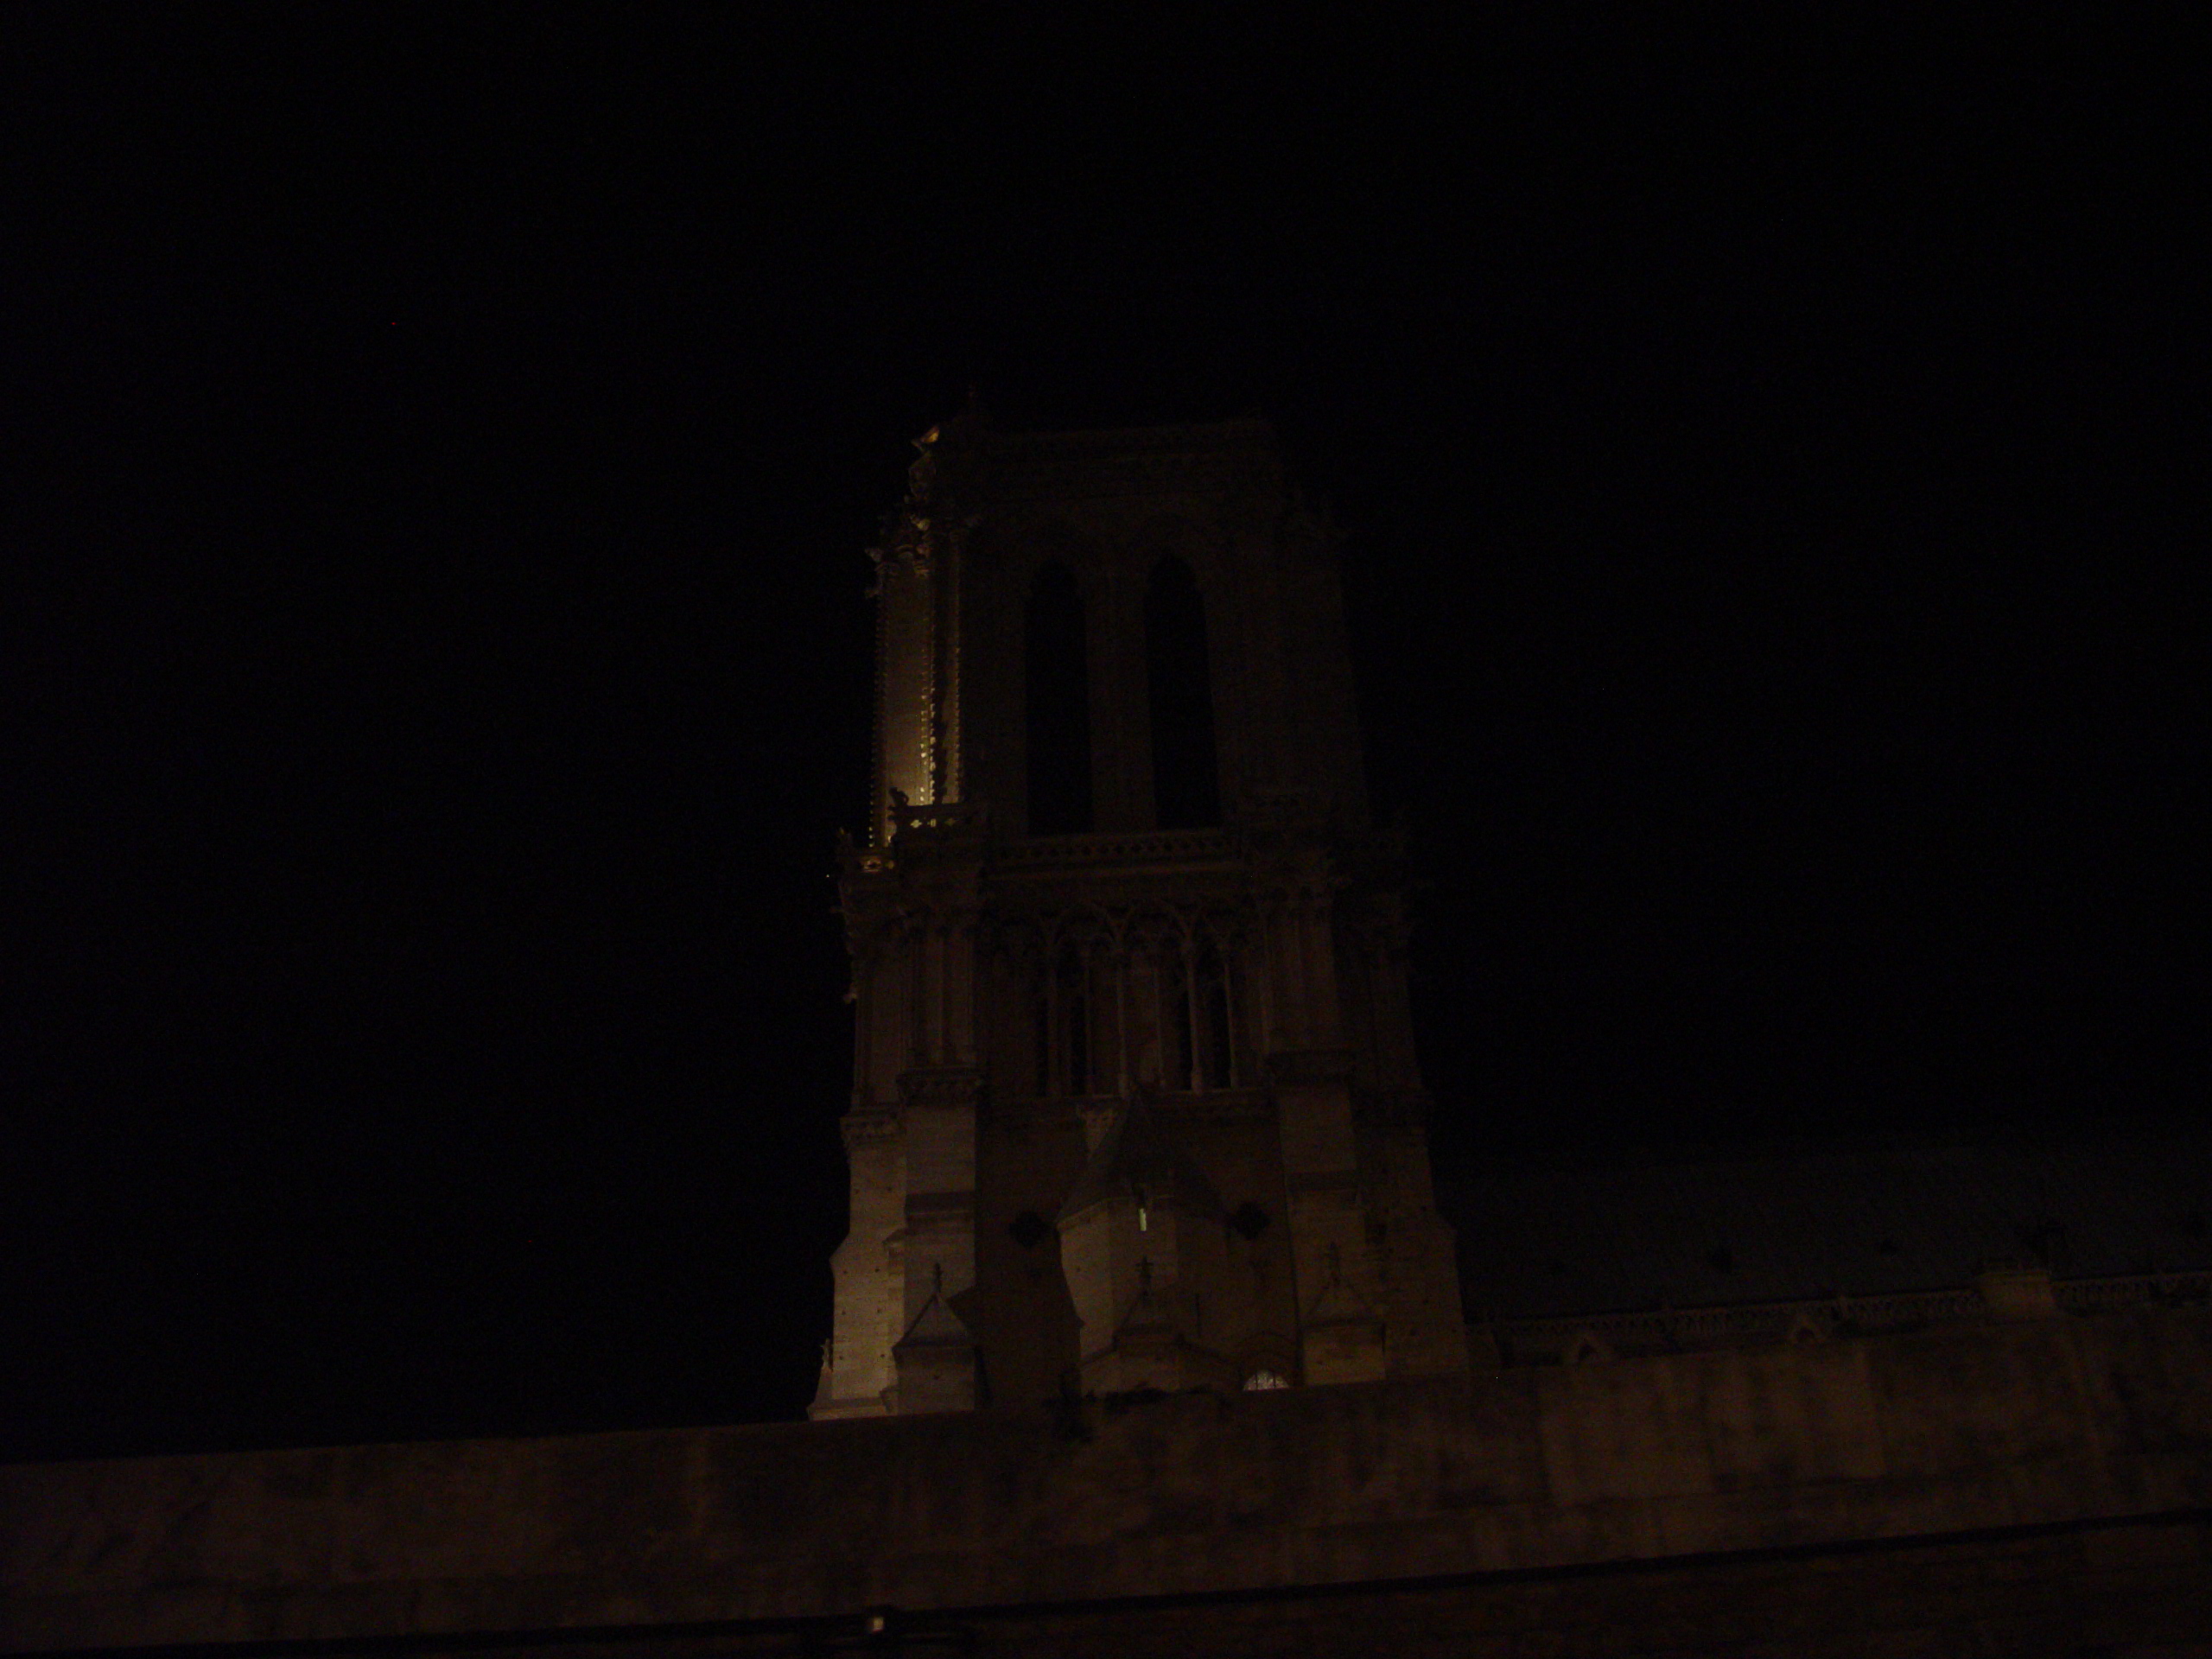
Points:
(1136, 1103)
(2021, 1486)
(1135, 1127)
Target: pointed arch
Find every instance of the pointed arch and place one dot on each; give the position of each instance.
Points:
(1056, 704)
(1074, 1043)
(1185, 772)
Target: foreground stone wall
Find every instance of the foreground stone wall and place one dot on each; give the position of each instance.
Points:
(1915, 1482)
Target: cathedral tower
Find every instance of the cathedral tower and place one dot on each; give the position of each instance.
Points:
(1134, 1098)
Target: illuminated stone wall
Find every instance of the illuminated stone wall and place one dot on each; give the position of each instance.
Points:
(2048, 1481)
(1246, 976)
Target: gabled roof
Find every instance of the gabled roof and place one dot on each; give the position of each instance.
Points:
(1338, 1303)
(1137, 1161)
(1148, 1313)
(937, 1324)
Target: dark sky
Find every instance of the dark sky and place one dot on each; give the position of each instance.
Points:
(439, 454)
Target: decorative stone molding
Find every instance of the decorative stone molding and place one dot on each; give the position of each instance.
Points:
(944, 1085)
(927, 1210)
(1148, 850)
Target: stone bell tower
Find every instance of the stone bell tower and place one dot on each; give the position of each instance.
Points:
(1134, 1098)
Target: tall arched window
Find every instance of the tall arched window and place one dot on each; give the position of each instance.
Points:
(1197, 1047)
(1186, 779)
(1072, 994)
(1214, 1038)
(1058, 699)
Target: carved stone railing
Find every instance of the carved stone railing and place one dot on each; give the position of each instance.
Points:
(2096, 1295)
(1150, 849)
(1657, 1329)
(947, 824)
(1238, 1099)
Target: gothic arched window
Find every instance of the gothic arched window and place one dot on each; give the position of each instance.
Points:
(1214, 1040)
(1192, 1015)
(1071, 1014)
(1057, 704)
(1186, 777)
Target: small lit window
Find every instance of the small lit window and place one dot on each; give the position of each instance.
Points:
(1263, 1380)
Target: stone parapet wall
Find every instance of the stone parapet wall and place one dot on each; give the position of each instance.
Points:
(1896, 1441)
(1647, 1330)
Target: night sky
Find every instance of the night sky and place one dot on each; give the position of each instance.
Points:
(439, 457)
